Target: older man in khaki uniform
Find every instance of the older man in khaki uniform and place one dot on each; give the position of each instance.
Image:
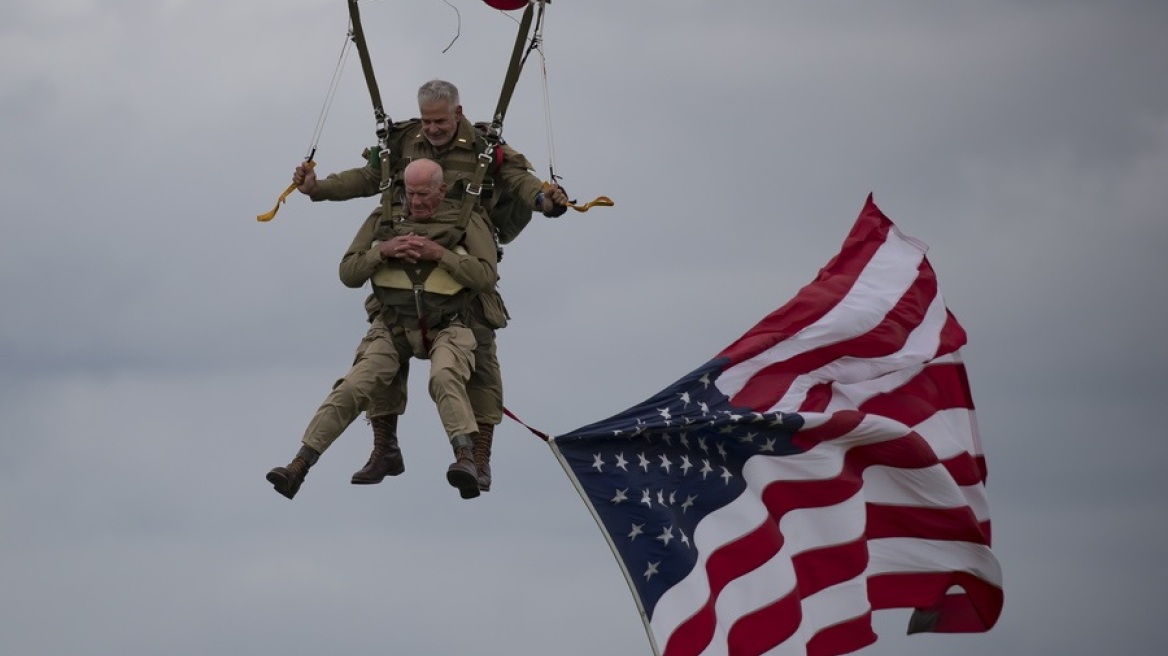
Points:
(426, 268)
(442, 134)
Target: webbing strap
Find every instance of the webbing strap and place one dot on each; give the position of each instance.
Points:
(538, 433)
(473, 192)
(421, 316)
(386, 183)
(367, 67)
(268, 216)
(515, 67)
(418, 280)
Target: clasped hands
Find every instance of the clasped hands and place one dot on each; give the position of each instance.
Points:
(412, 248)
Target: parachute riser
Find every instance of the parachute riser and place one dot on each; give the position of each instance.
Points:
(357, 33)
(514, 68)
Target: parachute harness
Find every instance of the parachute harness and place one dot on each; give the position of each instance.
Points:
(494, 132)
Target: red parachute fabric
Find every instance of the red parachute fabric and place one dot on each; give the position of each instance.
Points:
(506, 5)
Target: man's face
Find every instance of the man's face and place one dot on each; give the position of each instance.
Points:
(424, 196)
(440, 122)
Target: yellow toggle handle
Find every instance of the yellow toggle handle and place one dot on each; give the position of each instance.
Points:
(600, 201)
(268, 216)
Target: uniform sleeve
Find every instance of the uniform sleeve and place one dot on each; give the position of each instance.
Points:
(362, 258)
(360, 182)
(516, 175)
(477, 268)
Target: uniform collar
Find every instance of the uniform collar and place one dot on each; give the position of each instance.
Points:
(464, 137)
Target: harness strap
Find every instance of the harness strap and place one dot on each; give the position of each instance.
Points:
(367, 67)
(473, 193)
(515, 67)
(421, 317)
(386, 183)
(418, 278)
(379, 115)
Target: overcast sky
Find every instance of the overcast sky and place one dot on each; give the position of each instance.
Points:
(160, 350)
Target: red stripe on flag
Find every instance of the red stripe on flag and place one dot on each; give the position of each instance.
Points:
(753, 550)
(834, 281)
(843, 638)
(762, 630)
(953, 336)
(691, 637)
(976, 610)
(772, 382)
(837, 424)
(985, 530)
(959, 523)
(819, 569)
(817, 399)
(729, 562)
(936, 387)
(981, 466)
(965, 469)
(909, 451)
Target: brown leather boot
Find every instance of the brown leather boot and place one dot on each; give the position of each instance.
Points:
(482, 455)
(463, 474)
(386, 458)
(287, 480)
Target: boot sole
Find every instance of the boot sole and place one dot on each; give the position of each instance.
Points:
(468, 486)
(366, 481)
(375, 481)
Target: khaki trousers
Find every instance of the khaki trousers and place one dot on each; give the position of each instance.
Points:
(378, 360)
(452, 359)
(485, 387)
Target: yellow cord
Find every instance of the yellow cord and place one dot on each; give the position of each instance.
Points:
(268, 216)
(599, 201)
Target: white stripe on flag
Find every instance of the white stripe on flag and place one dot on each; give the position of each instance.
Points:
(891, 271)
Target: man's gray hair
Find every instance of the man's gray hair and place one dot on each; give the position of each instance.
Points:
(438, 91)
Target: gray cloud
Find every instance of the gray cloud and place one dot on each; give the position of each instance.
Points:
(160, 349)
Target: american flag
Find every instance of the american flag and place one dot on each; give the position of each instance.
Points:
(823, 466)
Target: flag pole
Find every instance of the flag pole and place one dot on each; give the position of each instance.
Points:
(607, 538)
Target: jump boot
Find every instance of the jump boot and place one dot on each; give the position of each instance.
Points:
(482, 455)
(386, 458)
(462, 474)
(287, 480)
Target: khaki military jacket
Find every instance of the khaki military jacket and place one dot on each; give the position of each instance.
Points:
(476, 269)
(458, 162)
